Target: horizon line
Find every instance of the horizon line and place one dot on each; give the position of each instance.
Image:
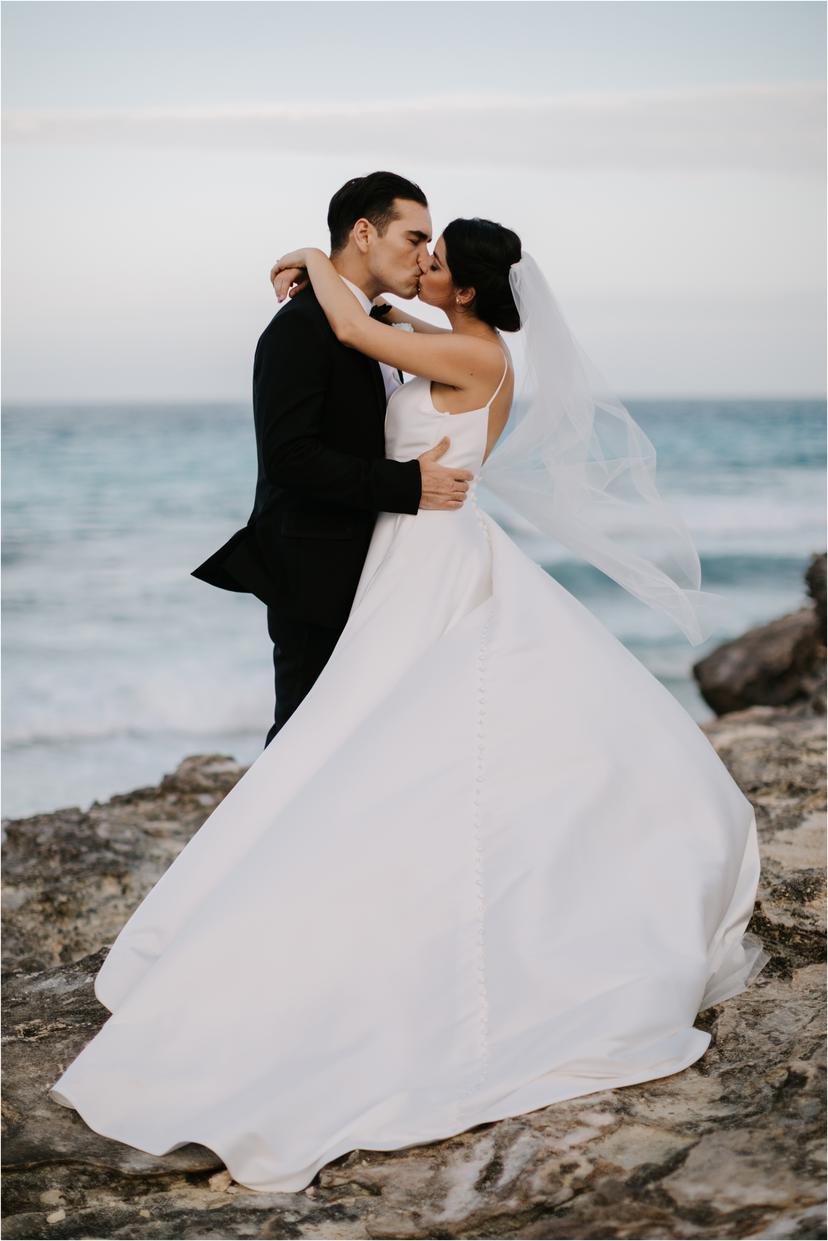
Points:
(25, 402)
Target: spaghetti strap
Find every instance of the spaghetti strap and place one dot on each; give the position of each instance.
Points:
(500, 385)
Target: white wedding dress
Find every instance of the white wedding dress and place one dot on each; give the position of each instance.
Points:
(490, 863)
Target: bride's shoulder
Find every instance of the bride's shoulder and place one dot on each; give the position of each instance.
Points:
(490, 354)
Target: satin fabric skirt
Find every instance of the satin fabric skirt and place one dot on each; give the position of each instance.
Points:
(490, 863)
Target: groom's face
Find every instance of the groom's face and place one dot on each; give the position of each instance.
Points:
(398, 257)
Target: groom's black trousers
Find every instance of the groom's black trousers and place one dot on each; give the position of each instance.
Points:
(300, 652)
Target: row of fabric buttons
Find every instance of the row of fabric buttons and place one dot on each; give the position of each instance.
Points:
(479, 775)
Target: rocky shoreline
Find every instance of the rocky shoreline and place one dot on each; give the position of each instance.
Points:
(730, 1147)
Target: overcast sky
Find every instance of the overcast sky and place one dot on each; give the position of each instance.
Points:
(664, 162)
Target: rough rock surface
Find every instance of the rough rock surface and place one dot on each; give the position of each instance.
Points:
(730, 1147)
(777, 664)
(72, 878)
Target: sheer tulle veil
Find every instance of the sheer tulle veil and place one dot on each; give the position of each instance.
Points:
(575, 464)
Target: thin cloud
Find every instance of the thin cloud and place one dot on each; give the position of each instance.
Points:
(740, 127)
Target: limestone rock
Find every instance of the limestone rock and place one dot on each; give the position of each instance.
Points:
(730, 1147)
(71, 879)
(780, 663)
(815, 580)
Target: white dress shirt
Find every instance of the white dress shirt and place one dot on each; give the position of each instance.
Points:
(389, 375)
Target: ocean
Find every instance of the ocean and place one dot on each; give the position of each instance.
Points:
(117, 663)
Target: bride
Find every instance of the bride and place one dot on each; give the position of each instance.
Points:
(490, 863)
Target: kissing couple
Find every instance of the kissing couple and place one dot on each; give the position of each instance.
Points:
(485, 861)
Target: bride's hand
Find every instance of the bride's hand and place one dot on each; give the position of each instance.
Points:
(289, 271)
(288, 282)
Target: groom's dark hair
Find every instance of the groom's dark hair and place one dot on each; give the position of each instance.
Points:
(371, 198)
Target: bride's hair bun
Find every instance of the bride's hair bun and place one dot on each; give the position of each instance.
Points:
(479, 254)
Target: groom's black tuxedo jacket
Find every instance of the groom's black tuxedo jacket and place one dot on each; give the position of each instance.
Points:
(319, 412)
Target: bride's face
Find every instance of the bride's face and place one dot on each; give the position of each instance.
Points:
(436, 285)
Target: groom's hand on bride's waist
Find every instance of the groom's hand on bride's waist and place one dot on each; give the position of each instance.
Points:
(442, 487)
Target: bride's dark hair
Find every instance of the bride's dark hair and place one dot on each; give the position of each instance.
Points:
(479, 254)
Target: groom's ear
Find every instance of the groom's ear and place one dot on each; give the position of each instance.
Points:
(362, 234)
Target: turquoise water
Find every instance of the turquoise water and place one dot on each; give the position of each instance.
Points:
(117, 662)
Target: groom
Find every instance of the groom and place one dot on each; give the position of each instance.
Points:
(319, 412)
